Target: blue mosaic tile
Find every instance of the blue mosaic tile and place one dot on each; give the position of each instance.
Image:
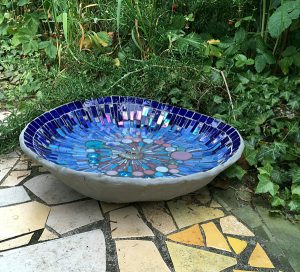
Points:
(131, 137)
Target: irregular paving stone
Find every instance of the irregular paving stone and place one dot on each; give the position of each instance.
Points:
(43, 169)
(230, 225)
(67, 217)
(15, 177)
(21, 165)
(126, 222)
(7, 161)
(156, 214)
(13, 195)
(77, 253)
(248, 215)
(20, 241)
(215, 204)
(188, 259)
(186, 214)
(259, 258)
(237, 245)
(234, 270)
(191, 236)
(214, 238)
(22, 218)
(47, 235)
(107, 207)
(51, 190)
(203, 195)
(139, 255)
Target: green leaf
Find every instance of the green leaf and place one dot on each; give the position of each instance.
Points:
(250, 155)
(265, 185)
(22, 2)
(289, 51)
(49, 48)
(235, 171)
(30, 46)
(266, 169)
(260, 63)
(296, 59)
(295, 189)
(65, 25)
(277, 201)
(285, 63)
(240, 35)
(282, 18)
(218, 99)
(295, 173)
(294, 204)
(272, 151)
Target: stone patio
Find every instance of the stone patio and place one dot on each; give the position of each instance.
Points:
(45, 226)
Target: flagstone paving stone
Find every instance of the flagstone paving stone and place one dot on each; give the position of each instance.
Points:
(78, 253)
(259, 258)
(138, 256)
(21, 165)
(16, 242)
(126, 222)
(186, 214)
(47, 235)
(15, 177)
(13, 195)
(191, 236)
(230, 225)
(214, 238)
(107, 207)
(237, 245)
(156, 214)
(22, 218)
(188, 259)
(51, 190)
(6, 163)
(67, 217)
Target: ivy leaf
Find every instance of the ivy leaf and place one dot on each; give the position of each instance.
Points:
(250, 155)
(296, 175)
(272, 151)
(235, 171)
(260, 63)
(267, 169)
(282, 18)
(277, 201)
(265, 185)
(296, 189)
(294, 204)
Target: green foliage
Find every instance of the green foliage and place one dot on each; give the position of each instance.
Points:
(283, 17)
(184, 53)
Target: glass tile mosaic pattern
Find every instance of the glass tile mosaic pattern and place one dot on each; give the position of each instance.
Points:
(131, 137)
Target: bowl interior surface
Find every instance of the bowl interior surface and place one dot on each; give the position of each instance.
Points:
(131, 137)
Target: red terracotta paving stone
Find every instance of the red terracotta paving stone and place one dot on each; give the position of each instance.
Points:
(214, 238)
(259, 258)
(191, 236)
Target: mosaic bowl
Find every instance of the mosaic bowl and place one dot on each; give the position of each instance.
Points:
(125, 149)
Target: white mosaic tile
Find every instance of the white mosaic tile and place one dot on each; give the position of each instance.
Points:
(67, 217)
(16, 242)
(7, 161)
(77, 253)
(13, 195)
(51, 190)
